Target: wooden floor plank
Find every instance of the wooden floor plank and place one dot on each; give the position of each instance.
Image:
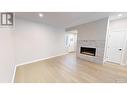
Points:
(70, 69)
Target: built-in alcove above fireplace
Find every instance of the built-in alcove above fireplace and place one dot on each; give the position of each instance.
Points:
(88, 51)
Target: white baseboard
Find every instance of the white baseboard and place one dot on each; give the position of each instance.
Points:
(13, 77)
(29, 62)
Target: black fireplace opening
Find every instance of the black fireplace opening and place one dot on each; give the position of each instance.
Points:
(88, 51)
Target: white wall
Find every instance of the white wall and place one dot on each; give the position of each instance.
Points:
(35, 41)
(95, 30)
(30, 41)
(6, 55)
(119, 24)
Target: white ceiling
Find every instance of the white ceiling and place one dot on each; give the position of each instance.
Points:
(64, 19)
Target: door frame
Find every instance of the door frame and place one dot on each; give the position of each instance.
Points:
(73, 32)
(70, 46)
(107, 42)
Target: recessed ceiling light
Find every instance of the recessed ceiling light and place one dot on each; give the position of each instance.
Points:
(119, 15)
(40, 15)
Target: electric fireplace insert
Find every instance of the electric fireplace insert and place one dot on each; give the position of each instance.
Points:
(88, 51)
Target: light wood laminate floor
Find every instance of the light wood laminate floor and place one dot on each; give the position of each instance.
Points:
(69, 69)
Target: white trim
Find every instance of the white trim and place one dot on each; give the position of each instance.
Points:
(20, 64)
(13, 78)
(124, 48)
(106, 42)
(30, 62)
(123, 64)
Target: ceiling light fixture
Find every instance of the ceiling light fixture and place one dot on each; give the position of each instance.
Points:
(119, 15)
(40, 15)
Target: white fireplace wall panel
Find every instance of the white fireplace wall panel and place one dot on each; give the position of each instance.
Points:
(92, 34)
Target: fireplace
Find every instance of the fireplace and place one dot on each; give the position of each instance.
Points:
(88, 51)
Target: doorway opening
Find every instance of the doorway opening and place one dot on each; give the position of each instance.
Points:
(71, 41)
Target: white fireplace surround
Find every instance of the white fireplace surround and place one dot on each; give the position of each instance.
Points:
(98, 44)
